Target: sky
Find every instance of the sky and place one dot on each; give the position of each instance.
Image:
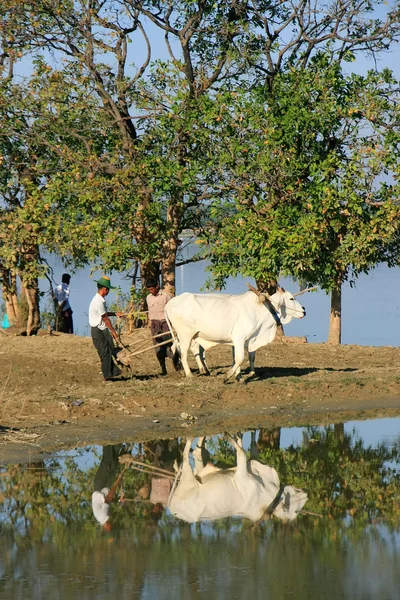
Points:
(138, 51)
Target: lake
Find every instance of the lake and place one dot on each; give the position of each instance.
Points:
(345, 544)
(371, 309)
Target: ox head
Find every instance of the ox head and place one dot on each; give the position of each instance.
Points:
(291, 502)
(282, 304)
(287, 307)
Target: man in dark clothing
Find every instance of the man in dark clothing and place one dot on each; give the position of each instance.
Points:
(102, 330)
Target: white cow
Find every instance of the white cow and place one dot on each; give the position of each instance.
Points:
(246, 322)
(250, 490)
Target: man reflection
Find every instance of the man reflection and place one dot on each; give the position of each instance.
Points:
(157, 487)
(106, 484)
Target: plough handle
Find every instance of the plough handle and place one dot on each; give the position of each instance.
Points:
(149, 347)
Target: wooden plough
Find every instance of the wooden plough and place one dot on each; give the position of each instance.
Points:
(139, 465)
(125, 355)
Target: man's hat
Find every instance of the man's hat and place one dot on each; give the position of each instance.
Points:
(105, 282)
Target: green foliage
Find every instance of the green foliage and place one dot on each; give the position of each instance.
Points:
(342, 479)
(107, 154)
(318, 162)
(49, 316)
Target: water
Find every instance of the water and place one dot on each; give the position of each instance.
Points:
(371, 309)
(51, 546)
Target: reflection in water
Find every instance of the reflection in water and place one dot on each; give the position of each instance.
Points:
(105, 484)
(250, 489)
(51, 546)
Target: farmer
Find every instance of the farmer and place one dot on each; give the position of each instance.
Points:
(106, 484)
(61, 294)
(156, 301)
(102, 330)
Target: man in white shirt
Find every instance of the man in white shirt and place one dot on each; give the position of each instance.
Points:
(61, 294)
(102, 330)
(105, 484)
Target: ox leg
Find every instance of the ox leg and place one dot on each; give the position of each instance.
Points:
(184, 347)
(252, 358)
(238, 353)
(185, 479)
(254, 455)
(176, 355)
(186, 466)
(201, 455)
(188, 479)
(241, 458)
(198, 353)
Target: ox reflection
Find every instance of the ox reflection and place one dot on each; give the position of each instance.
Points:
(246, 322)
(250, 489)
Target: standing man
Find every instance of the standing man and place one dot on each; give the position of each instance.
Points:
(156, 301)
(64, 316)
(102, 330)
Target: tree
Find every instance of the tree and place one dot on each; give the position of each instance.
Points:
(151, 198)
(21, 217)
(211, 46)
(318, 161)
(42, 138)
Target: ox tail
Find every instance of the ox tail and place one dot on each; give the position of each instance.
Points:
(175, 348)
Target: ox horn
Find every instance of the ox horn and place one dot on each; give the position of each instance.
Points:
(304, 291)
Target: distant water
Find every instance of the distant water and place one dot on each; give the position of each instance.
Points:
(370, 310)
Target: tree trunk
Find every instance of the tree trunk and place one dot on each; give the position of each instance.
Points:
(335, 321)
(170, 248)
(170, 245)
(343, 440)
(10, 294)
(148, 270)
(269, 439)
(269, 287)
(31, 291)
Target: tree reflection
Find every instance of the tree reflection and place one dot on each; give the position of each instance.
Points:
(343, 478)
(47, 527)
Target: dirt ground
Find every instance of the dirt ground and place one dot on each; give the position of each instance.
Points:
(53, 396)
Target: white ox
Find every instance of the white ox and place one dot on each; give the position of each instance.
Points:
(246, 322)
(250, 490)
